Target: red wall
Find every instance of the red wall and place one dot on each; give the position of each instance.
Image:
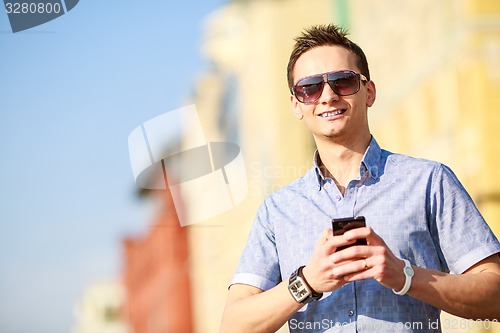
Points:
(156, 276)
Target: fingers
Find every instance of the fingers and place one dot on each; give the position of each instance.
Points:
(365, 232)
(331, 242)
(361, 274)
(323, 244)
(354, 262)
(352, 253)
(328, 243)
(318, 270)
(353, 270)
(330, 268)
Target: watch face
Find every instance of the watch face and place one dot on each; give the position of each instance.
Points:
(409, 271)
(299, 290)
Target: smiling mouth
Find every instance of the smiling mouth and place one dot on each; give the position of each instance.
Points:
(332, 113)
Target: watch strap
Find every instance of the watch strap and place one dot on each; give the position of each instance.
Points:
(313, 295)
(408, 272)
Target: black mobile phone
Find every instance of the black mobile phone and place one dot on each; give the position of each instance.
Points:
(339, 226)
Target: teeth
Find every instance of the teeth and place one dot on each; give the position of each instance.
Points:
(331, 114)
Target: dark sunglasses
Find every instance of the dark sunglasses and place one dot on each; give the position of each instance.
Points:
(343, 83)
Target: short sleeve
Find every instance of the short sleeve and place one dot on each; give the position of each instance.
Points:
(458, 229)
(259, 264)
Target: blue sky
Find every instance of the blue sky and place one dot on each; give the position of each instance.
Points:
(71, 92)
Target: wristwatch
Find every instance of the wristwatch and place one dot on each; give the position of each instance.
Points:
(300, 289)
(408, 272)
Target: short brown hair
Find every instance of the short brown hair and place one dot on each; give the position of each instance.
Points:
(325, 35)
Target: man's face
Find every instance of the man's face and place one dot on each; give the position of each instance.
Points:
(341, 118)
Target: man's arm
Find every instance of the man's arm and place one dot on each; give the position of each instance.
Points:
(473, 294)
(250, 309)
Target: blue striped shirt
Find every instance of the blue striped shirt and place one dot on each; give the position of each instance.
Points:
(417, 206)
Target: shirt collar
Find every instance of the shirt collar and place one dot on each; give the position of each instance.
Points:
(319, 176)
(369, 163)
(372, 158)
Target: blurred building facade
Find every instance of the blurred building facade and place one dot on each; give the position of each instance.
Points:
(437, 70)
(438, 77)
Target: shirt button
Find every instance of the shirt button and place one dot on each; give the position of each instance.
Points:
(351, 313)
(338, 198)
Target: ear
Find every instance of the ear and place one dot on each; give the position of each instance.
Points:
(296, 108)
(371, 93)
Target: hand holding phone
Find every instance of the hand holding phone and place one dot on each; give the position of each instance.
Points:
(341, 225)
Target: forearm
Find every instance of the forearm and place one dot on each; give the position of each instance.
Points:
(260, 313)
(473, 296)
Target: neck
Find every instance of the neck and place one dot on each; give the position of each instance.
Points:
(340, 160)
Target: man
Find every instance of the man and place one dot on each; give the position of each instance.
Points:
(428, 248)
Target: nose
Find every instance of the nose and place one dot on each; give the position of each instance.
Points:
(328, 95)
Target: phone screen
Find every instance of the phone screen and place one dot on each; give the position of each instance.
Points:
(339, 226)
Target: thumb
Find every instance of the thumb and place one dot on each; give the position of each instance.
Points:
(325, 235)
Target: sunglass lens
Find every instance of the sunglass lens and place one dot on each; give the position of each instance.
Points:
(345, 84)
(309, 89)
